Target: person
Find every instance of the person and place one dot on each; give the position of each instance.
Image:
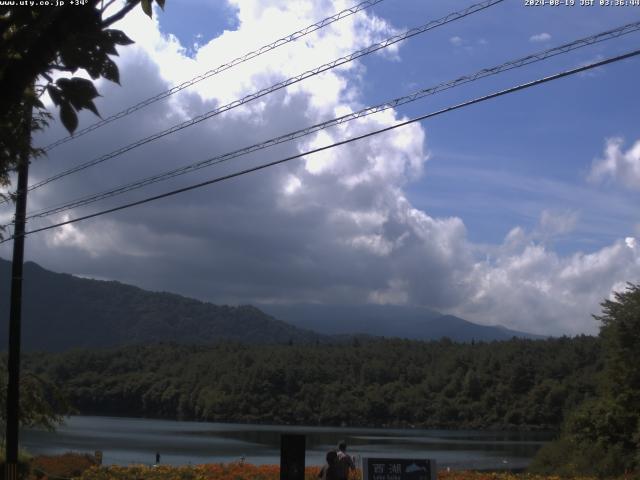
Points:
(345, 462)
(157, 458)
(329, 470)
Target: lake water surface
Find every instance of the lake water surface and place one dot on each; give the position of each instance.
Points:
(133, 440)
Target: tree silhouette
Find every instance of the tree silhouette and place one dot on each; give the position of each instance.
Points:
(38, 42)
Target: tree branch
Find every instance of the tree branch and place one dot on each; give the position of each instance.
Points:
(62, 68)
(121, 14)
(103, 7)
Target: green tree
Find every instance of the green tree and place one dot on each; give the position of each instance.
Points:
(42, 403)
(37, 42)
(602, 436)
(620, 333)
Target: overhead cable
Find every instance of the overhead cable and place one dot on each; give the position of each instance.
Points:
(266, 91)
(486, 72)
(221, 68)
(523, 86)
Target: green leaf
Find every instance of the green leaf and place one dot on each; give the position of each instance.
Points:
(161, 3)
(110, 71)
(108, 47)
(55, 94)
(118, 37)
(63, 83)
(92, 106)
(93, 70)
(68, 117)
(77, 87)
(79, 93)
(146, 7)
(72, 56)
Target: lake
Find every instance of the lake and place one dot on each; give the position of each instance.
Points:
(133, 440)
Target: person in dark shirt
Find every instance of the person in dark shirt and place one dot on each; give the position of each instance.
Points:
(345, 462)
(329, 470)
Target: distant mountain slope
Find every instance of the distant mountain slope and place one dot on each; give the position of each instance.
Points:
(414, 323)
(61, 311)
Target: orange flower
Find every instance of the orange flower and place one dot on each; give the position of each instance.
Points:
(83, 467)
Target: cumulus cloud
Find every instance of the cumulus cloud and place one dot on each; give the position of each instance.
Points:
(532, 285)
(617, 164)
(332, 227)
(540, 37)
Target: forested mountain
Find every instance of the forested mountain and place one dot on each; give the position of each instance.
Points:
(413, 323)
(511, 384)
(61, 311)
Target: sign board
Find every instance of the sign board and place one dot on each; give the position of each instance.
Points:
(398, 469)
(292, 451)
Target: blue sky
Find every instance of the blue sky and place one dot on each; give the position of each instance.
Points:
(519, 211)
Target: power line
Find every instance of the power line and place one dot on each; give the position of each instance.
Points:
(221, 68)
(290, 81)
(512, 64)
(342, 142)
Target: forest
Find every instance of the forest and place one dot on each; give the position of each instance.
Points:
(516, 384)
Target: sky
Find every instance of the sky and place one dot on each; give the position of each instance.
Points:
(519, 211)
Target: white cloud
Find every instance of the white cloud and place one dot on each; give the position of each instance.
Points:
(556, 224)
(375, 244)
(535, 288)
(456, 41)
(593, 72)
(292, 185)
(551, 226)
(394, 294)
(617, 164)
(71, 236)
(540, 37)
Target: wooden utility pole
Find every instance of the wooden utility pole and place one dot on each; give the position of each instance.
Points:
(15, 314)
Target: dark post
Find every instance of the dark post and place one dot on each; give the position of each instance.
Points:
(13, 386)
(292, 451)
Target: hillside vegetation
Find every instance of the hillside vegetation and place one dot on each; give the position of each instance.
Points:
(513, 384)
(602, 436)
(61, 311)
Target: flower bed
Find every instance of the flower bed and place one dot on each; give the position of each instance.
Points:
(236, 471)
(83, 467)
(68, 465)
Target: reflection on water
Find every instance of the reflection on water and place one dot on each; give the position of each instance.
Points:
(130, 440)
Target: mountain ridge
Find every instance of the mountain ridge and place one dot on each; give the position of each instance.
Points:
(414, 323)
(63, 311)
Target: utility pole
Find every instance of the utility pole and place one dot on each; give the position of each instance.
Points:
(15, 314)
